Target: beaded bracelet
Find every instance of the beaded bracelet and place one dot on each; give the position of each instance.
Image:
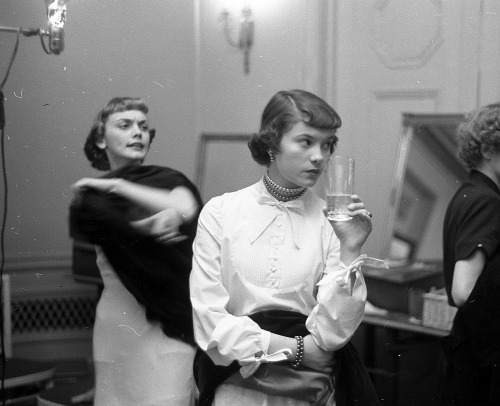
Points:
(300, 352)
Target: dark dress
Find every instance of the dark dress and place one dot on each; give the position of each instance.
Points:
(470, 371)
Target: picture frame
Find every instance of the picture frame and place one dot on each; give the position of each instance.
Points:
(225, 164)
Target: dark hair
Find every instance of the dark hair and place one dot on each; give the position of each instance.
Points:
(481, 131)
(282, 112)
(97, 156)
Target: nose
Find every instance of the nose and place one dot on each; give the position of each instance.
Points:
(136, 129)
(317, 155)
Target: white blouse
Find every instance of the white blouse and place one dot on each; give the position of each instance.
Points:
(253, 253)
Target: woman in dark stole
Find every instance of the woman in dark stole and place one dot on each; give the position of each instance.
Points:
(142, 220)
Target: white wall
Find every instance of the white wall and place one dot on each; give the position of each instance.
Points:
(370, 59)
(171, 53)
(399, 56)
(112, 48)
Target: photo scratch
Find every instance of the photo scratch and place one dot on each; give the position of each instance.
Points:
(21, 95)
(124, 325)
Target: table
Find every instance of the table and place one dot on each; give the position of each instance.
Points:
(402, 322)
(24, 378)
(62, 394)
(74, 377)
(396, 328)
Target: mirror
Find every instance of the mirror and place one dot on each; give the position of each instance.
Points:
(426, 175)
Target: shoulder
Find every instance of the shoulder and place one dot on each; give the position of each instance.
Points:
(472, 217)
(474, 197)
(168, 178)
(314, 206)
(232, 201)
(151, 175)
(228, 208)
(313, 200)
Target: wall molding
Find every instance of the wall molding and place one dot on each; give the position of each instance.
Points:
(408, 94)
(386, 45)
(41, 262)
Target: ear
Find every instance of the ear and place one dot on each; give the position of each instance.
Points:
(99, 136)
(487, 153)
(101, 144)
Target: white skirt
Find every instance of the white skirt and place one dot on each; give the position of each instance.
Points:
(136, 364)
(232, 395)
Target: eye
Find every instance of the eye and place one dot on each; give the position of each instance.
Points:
(327, 145)
(123, 125)
(144, 127)
(305, 142)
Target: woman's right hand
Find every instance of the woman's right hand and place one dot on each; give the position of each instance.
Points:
(315, 357)
(103, 185)
(164, 226)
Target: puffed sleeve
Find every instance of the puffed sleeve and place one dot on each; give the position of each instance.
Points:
(341, 300)
(478, 226)
(223, 336)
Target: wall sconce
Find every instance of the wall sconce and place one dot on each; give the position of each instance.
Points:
(245, 37)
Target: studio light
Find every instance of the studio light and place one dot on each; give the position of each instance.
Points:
(54, 30)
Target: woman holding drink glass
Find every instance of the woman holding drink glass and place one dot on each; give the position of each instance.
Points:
(276, 287)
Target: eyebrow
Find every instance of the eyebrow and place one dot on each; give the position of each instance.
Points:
(330, 137)
(128, 120)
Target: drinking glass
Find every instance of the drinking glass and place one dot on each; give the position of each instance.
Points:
(339, 184)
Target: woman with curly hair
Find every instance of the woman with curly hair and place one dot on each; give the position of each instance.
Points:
(472, 267)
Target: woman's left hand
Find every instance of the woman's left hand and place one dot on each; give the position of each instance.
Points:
(353, 233)
(164, 226)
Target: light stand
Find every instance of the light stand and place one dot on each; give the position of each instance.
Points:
(56, 14)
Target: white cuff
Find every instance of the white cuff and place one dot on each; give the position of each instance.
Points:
(252, 364)
(343, 278)
(265, 338)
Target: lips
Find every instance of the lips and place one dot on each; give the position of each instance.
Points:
(136, 145)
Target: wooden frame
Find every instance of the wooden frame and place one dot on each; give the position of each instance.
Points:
(440, 128)
(224, 164)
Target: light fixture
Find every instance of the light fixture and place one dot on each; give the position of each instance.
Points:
(54, 31)
(56, 15)
(245, 36)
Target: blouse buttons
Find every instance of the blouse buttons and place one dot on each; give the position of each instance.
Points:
(340, 281)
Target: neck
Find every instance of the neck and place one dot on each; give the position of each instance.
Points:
(115, 166)
(281, 193)
(485, 170)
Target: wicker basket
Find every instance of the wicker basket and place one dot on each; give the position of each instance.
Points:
(437, 313)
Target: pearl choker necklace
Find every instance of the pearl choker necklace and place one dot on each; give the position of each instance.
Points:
(282, 193)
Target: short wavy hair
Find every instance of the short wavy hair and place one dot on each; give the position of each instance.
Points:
(480, 132)
(282, 112)
(97, 156)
